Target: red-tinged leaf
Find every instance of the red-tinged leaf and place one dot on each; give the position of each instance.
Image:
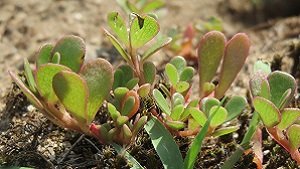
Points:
(268, 112)
(136, 105)
(72, 91)
(257, 148)
(98, 75)
(210, 52)
(236, 52)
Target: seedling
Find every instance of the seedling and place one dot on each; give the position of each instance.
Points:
(142, 29)
(63, 88)
(272, 94)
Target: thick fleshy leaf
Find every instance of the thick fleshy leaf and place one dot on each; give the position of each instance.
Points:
(164, 144)
(236, 52)
(210, 52)
(177, 99)
(144, 90)
(280, 82)
(128, 73)
(293, 134)
(117, 45)
(128, 105)
(179, 62)
(122, 120)
(142, 30)
(132, 83)
(261, 66)
(235, 107)
(72, 51)
(153, 5)
(138, 125)
(208, 103)
(98, 75)
(161, 101)
(44, 55)
(265, 89)
(113, 112)
(118, 79)
(127, 134)
(160, 43)
(224, 131)
(182, 86)
(120, 92)
(30, 96)
(56, 58)
(118, 26)
(192, 124)
(44, 77)
(267, 111)
(284, 99)
(149, 72)
(172, 73)
(176, 125)
(72, 91)
(220, 116)
(177, 112)
(29, 76)
(288, 117)
(198, 115)
(187, 74)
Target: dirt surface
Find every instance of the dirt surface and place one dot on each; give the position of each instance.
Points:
(29, 139)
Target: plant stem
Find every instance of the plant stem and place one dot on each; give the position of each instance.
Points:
(137, 65)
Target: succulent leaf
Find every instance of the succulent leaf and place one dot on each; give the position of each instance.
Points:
(113, 112)
(210, 52)
(44, 54)
(149, 72)
(198, 115)
(182, 86)
(219, 117)
(120, 92)
(72, 51)
(142, 30)
(122, 120)
(187, 74)
(132, 83)
(44, 77)
(56, 58)
(176, 125)
(29, 76)
(98, 75)
(267, 111)
(293, 134)
(144, 90)
(72, 91)
(236, 52)
(224, 131)
(279, 83)
(128, 105)
(208, 103)
(161, 101)
(172, 73)
(235, 107)
(179, 62)
(177, 112)
(288, 117)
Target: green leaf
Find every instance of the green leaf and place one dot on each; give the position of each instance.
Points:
(122, 120)
(160, 43)
(128, 105)
(284, 99)
(72, 91)
(56, 58)
(210, 52)
(182, 86)
(187, 74)
(29, 76)
(128, 72)
(235, 107)
(172, 73)
(261, 66)
(44, 54)
(288, 117)
(30, 96)
(139, 124)
(265, 89)
(179, 62)
(135, 164)
(176, 125)
(208, 103)
(236, 52)
(149, 72)
(142, 30)
(44, 77)
(117, 45)
(293, 134)
(279, 83)
(132, 83)
(72, 50)
(220, 116)
(98, 75)
(267, 111)
(198, 115)
(120, 92)
(177, 112)
(118, 79)
(164, 144)
(161, 101)
(177, 99)
(144, 90)
(153, 5)
(224, 131)
(113, 112)
(118, 26)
